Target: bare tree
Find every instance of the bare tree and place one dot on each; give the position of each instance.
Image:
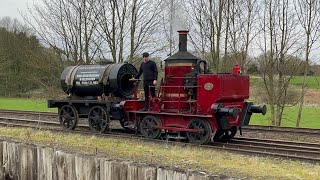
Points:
(112, 26)
(144, 25)
(308, 12)
(198, 11)
(207, 20)
(227, 24)
(128, 26)
(280, 35)
(68, 26)
(242, 16)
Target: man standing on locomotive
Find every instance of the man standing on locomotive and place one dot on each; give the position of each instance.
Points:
(150, 75)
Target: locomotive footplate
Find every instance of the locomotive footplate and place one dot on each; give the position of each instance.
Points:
(57, 103)
(171, 114)
(176, 129)
(83, 106)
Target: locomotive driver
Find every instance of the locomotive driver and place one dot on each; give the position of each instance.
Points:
(150, 75)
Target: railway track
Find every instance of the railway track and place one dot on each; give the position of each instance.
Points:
(262, 147)
(303, 131)
(283, 149)
(250, 128)
(20, 112)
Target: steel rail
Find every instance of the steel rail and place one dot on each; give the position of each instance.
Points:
(281, 129)
(246, 128)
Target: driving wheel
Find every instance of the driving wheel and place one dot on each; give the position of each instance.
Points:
(147, 127)
(201, 137)
(68, 117)
(99, 119)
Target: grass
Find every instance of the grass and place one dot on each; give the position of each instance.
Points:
(25, 104)
(310, 114)
(310, 117)
(313, 82)
(185, 158)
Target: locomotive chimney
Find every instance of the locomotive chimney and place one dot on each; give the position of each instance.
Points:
(183, 40)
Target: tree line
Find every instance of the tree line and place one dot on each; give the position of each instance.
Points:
(277, 36)
(26, 66)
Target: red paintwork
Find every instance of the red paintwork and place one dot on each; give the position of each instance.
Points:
(174, 86)
(229, 89)
(174, 106)
(226, 88)
(135, 81)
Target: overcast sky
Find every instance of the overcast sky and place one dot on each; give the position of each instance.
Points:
(11, 8)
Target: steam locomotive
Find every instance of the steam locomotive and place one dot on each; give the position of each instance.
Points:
(190, 103)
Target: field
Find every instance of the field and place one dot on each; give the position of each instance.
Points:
(313, 82)
(310, 117)
(311, 111)
(25, 104)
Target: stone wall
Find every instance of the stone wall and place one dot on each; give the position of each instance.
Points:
(20, 161)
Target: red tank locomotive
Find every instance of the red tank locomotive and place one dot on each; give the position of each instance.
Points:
(190, 103)
(194, 103)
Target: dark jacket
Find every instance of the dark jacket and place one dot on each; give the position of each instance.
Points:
(149, 70)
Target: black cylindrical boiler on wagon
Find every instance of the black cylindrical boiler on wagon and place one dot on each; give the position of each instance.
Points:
(95, 80)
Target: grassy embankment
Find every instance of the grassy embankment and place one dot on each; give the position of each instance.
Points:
(173, 156)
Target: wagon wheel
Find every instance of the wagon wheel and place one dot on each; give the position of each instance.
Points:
(98, 119)
(146, 127)
(201, 137)
(68, 117)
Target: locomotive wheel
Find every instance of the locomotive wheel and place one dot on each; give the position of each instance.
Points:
(146, 127)
(201, 137)
(98, 119)
(68, 117)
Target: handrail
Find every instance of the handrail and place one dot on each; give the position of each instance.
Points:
(179, 101)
